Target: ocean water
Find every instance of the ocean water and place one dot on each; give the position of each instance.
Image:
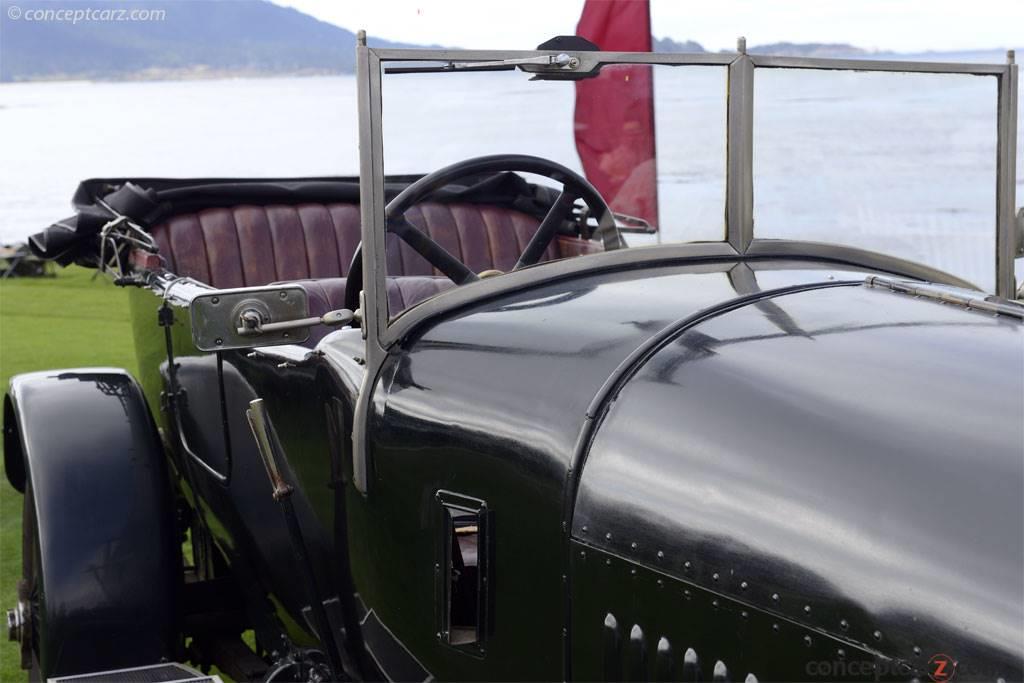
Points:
(899, 163)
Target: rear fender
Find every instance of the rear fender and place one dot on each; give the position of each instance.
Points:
(84, 441)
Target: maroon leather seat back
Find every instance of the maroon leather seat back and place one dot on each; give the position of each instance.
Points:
(248, 245)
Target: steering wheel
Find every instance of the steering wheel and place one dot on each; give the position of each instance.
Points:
(574, 186)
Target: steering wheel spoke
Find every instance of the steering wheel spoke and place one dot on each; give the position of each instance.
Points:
(547, 230)
(457, 271)
(574, 186)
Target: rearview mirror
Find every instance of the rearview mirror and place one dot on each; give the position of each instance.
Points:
(252, 316)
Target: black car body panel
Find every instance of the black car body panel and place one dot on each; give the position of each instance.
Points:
(778, 489)
(509, 437)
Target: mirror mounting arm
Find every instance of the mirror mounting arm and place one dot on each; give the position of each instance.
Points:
(226, 319)
(251, 322)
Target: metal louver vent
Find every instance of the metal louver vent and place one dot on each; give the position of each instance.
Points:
(629, 660)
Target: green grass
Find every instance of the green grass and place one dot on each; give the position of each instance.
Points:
(63, 322)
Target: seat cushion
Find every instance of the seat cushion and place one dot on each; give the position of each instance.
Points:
(249, 245)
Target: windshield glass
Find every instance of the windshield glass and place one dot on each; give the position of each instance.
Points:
(456, 116)
(902, 164)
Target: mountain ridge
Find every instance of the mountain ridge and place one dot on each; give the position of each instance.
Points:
(242, 38)
(212, 37)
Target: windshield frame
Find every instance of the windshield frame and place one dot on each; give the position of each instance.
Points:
(381, 331)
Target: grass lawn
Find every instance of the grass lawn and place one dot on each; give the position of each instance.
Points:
(67, 321)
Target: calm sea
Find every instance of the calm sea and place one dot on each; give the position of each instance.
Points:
(899, 163)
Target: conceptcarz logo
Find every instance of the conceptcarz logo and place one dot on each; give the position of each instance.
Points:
(80, 15)
(941, 669)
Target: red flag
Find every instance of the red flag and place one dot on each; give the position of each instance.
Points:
(615, 111)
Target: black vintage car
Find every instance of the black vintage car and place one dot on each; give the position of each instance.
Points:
(449, 426)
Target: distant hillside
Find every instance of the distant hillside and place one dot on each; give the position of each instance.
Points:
(667, 44)
(209, 38)
(829, 50)
(841, 51)
(194, 38)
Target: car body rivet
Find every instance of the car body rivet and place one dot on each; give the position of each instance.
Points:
(841, 653)
(686, 566)
(807, 641)
(583, 553)
(877, 635)
(584, 528)
(775, 597)
(744, 614)
(844, 624)
(608, 562)
(917, 650)
(661, 555)
(807, 609)
(714, 577)
(283, 294)
(633, 545)
(775, 627)
(218, 341)
(215, 300)
(743, 585)
(661, 584)
(714, 603)
(686, 594)
(608, 536)
(632, 572)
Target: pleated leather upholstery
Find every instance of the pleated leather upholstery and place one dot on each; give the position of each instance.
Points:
(248, 245)
(312, 245)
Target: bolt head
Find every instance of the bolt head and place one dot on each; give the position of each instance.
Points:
(16, 623)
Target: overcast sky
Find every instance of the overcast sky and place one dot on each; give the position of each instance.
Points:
(900, 25)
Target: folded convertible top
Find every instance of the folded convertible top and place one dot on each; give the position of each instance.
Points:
(150, 201)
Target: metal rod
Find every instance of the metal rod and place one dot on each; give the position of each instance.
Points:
(771, 62)
(373, 301)
(1006, 182)
(371, 197)
(225, 425)
(677, 58)
(271, 452)
(739, 180)
(694, 59)
(259, 422)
